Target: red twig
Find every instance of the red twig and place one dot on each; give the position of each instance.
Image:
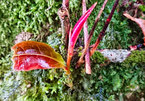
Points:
(75, 33)
(91, 34)
(102, 33)
(85, 27)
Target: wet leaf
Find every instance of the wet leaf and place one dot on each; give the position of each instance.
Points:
(30, 55)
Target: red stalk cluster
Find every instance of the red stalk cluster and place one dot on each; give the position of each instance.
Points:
(77, 28)
(80, 61)
(75, 33)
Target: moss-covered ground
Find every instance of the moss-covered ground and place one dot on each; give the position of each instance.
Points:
(108, 81)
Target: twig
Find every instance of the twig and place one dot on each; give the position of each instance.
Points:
(64, 17)
(91, 34)
(102, 33)
(85, 27)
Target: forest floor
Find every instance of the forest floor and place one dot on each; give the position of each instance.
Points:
(38, 20)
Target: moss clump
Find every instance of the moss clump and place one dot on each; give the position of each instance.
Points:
(97, 57)
(136, 57)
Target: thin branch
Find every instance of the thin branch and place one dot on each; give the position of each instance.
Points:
(64, 17)
(91, 34)
(85, 27)
(102, 33)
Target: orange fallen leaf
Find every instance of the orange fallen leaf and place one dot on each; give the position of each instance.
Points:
(30, 55)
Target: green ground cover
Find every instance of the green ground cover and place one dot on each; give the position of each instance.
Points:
(108, 81)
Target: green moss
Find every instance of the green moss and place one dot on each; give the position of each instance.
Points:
(24, 15)
(106, 82)
(97, 57)
(136, 57)
(142, 7)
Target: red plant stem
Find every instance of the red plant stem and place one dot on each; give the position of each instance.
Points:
(80, 61)
(85, 27)
(69, 57)
(75, 33)
(102, 33)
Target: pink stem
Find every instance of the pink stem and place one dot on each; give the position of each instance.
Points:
(75, 33)
(80, 61)
(85, 27)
